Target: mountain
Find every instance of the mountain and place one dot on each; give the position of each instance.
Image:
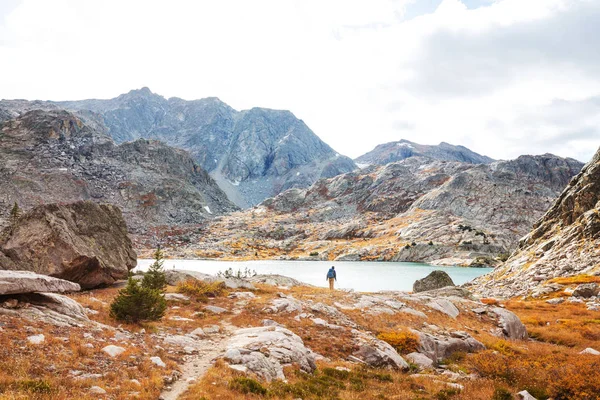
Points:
(417, 209)
(252, 154)
(565, 242)
(396, 151)
(54, 157)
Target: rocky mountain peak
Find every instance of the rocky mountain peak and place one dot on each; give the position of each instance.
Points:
(55, 157)
(403, 149)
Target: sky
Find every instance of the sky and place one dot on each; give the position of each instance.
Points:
(502, 77)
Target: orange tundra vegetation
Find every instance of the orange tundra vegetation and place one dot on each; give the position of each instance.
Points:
(548, 365)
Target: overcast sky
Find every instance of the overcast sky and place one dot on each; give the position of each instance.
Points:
(503, 77)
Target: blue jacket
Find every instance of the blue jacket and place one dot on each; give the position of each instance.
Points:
(331, 274)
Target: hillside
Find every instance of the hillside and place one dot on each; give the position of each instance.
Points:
(565, 242)
(417, 209)
(396, 151)
(252, 154)
(53, 156)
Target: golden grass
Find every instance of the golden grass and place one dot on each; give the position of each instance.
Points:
(576, 279)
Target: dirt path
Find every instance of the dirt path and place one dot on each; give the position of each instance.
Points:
(195, 368)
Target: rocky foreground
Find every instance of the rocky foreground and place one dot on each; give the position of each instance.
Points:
(252, 339)
(418, 209)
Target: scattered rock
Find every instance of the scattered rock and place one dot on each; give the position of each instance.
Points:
(421, 360)
(241, 295)
(524, 395)
(586, 290)
(556, 300)
(158, 361)
(113, 350)
(591, 351)
(284, 305)
(198, 332)
(36, 339)
(97, 390)
(176, 297)
(215, 309)
(211, 329)
(270, 322)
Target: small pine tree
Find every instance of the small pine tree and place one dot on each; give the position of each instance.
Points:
(137, 303)
(15, 214)
(155, 277)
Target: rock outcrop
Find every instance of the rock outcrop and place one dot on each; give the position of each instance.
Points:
(564, 242)
(18, 282)
(403, 149)
(82, 242)
(56, 157)
(435, 280)
(252, 154)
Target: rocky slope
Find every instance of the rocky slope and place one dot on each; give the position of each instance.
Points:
(396, 151)
(564, 242)
(54, 157)
(417, 209)
(252, 154)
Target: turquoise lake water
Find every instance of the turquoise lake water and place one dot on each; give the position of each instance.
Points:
(360, 276)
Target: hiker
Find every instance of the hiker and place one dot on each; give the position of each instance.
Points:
(331, 277)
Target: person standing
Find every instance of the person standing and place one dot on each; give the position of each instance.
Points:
(331, 277)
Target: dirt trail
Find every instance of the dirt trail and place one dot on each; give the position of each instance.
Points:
(194, 369)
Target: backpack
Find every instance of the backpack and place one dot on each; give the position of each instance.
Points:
(331, 274)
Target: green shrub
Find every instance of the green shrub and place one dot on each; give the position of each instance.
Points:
(137, 303)
(314, 253)
(155, 277)
(247, 385)
(35, 386)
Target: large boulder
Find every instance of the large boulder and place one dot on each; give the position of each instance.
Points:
(19, 282)
(265, 350)
(376, 353)
(435, 280)
(82, 242)
(510, 325)
(438, 347)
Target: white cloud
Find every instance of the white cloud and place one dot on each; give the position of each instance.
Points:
(504, 77)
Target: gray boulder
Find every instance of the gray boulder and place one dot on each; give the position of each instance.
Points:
(377, 353)
(265, 350)
(586, 290)
(439, 347)
(511, 325)
(276, 280)
(18, 282)
(82, 242)
(435, 280)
